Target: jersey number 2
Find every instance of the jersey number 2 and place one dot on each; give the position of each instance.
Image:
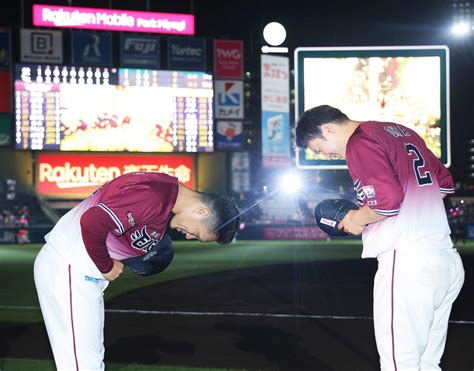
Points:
(419, 162)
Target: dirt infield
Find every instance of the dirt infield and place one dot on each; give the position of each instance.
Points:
(201, 321)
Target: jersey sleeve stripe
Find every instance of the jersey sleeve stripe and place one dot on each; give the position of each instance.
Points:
(357, 184)
(386, 212)
(446, 190)
(114, 217)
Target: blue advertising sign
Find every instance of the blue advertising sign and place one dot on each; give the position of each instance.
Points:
(229, 99)
(4, 48)
(275, 111)
(275, 139)
(229, 135)
(140, 51)
(91, 48)
(187, 54)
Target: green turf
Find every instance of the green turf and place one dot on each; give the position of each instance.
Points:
(18, 294)
(18, 301)
(20, 364)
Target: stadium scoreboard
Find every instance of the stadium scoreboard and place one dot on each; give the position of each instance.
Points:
(76, 108)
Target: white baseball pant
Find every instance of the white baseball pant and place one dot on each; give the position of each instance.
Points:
(414, 291)
(72, 303)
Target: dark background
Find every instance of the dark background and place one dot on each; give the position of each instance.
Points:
(316, 23)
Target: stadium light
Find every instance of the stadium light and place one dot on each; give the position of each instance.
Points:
(274, 33)
(463, 18)
(290, 182)
(460, 28)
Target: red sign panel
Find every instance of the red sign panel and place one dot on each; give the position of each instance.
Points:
(229, 59)
(78, 174)
(293, 233)
(5, 92)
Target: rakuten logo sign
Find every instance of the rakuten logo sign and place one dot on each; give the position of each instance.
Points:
(74, 176)
(80, 175)
(112, 20)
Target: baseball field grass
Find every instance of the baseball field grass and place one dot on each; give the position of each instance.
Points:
(194, 277)
(18, 293)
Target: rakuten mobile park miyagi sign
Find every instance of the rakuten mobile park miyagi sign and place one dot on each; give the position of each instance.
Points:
(112, 19)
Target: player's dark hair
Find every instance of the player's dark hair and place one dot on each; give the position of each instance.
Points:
(308, 126)
(224, 216)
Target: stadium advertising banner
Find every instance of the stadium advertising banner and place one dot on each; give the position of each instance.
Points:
(275, 111)
(408, 85)
(140, 51)
(187, 54)
(91, 48)
(84, 108)
(81, 174)
(293, 233)
(112, 20)
(5, 92)
(5, 52)
(229, 99)
(229, 59)
(240, 172)
(229, 135)
(5, 129)
(41, 46)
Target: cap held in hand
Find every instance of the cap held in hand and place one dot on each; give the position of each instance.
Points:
(329, 213)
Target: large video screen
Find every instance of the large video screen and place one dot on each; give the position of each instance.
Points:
(75, 108)
(406, 85)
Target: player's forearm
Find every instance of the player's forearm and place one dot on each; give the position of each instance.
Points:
(365, 215)
(95, 227)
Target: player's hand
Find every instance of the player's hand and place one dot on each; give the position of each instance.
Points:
(115, 272)
(349, 224)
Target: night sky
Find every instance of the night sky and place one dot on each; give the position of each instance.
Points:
(323, 23)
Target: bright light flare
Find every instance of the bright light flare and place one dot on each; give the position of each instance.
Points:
(460, 28)
(290, 182)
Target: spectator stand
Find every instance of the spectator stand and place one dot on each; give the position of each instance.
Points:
(22, 219)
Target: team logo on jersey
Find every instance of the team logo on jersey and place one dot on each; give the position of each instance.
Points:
(372, 203)
(131, 219)
(369, 191)
(141, 240)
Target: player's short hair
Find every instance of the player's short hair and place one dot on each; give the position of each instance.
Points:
(223, 218)
(308, 126)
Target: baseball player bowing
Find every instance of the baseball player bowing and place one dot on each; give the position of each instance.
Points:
(400, 185)
(122, 223)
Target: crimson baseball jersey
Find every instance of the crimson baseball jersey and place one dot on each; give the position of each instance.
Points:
(124, 218)
(397, 176)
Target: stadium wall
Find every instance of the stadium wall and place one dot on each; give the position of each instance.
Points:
(17, 165)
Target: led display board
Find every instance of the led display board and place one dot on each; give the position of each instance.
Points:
(408, 85)
(76, 108)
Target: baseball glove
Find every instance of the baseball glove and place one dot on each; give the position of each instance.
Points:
(329, 213)
(154, 261)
